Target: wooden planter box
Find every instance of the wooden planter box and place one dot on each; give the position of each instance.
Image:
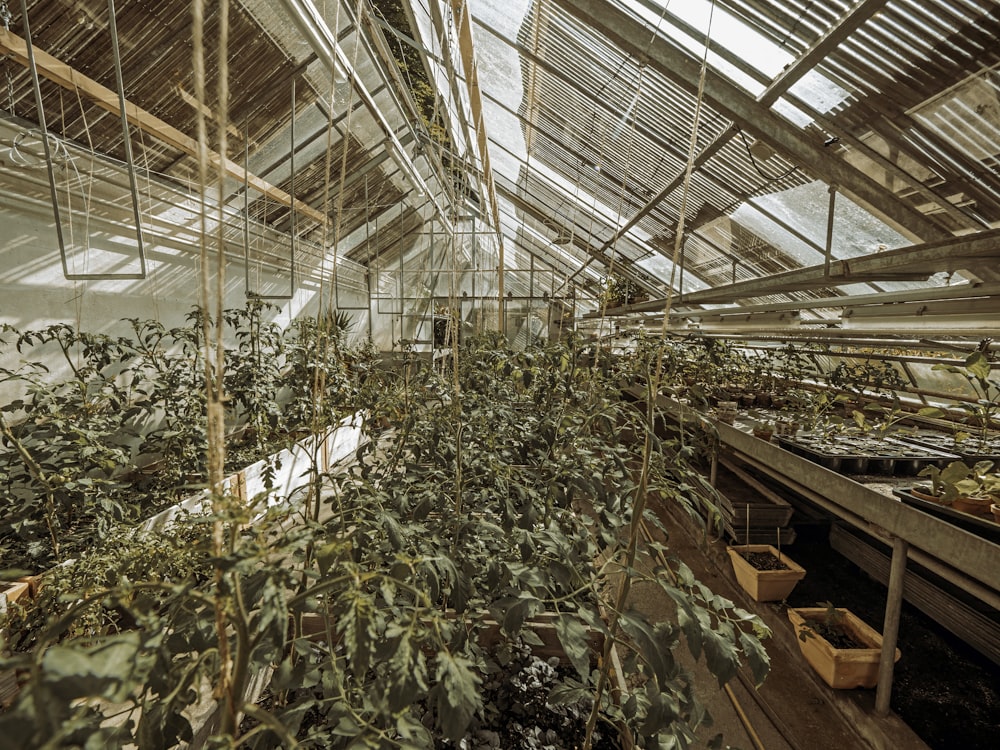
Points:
(11, 591)
(765, 585)
(839, 668)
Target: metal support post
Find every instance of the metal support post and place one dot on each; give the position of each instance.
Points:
(890, 628)
(828, 252)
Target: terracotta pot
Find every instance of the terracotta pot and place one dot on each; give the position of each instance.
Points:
(765, 585)
(977, 505)
(923, 494)
(995, 510)
(840, 668)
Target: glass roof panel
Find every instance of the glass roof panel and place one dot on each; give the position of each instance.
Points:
(855, 231)
(968, 118)
(725, 30)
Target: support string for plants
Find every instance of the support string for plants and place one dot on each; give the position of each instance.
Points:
(653, 389)
(214, 352)
(621, 198)
(338, 223)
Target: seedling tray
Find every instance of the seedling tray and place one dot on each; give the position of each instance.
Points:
(861, 455)
(828, 455)
(968, 451)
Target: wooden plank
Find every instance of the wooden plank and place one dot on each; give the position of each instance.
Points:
(64, 75)
(756, 484)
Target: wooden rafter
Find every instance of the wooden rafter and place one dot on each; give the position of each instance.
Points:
(69, 78)
(730, 101)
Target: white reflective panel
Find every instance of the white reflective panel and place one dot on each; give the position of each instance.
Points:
(806, 208)
(662, 268)
(750, 218)
(792, 113)
(940, 381)
(968, 117)
(819, 92)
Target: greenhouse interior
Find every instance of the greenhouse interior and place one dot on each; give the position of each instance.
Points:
(499, 374)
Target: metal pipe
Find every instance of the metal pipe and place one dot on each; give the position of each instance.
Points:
(116, 56)
(36, 85)
(368, 265)
(890, 628)
(291, 208)
(828, 250)
(329, 51)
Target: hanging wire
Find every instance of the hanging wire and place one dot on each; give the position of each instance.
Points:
(621, 198)
(685, 192)
(761, 172)
(653, 386)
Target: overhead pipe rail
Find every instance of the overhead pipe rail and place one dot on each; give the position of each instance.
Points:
(130, 165)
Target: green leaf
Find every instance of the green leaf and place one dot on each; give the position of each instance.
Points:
(978, 364)
(459, 698)
(103, 670)
(517, 613)
(568, 694)
(573, 637)
(346, 727)
(327, 556)
(760, 662)
(720, 655)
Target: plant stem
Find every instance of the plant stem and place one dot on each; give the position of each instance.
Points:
(36, 471)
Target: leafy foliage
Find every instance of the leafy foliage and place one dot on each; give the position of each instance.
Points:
(123, 432)
(977, 371)
(500, 490)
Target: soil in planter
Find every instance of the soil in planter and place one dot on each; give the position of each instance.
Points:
(835, 635)
(763, 561)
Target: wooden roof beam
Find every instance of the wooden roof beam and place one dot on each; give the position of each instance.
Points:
(731, 101)
(69, 78)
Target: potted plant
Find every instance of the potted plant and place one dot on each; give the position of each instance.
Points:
(963, 487)
(764, 572)
(842, 648)
(764, 430)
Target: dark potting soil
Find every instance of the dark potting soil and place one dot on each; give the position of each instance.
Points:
(945, 690)
(835, 635)
(764, 561)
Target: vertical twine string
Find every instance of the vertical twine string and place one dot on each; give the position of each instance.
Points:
(213, 360)
(642, 490)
